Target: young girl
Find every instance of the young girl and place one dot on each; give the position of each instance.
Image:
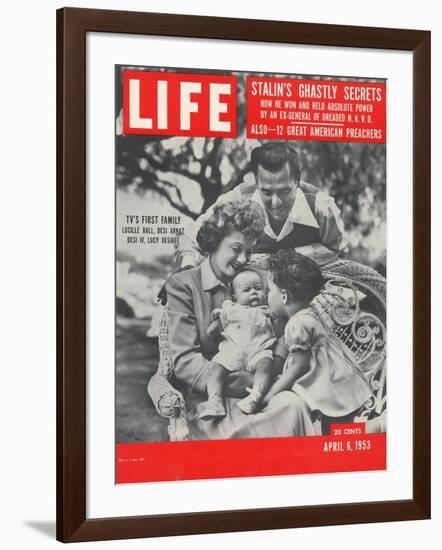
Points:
(319, 368)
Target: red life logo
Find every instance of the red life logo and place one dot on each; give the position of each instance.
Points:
(179, 104)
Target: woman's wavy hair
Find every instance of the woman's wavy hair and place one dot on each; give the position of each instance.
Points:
(298, 275)
(243, 215)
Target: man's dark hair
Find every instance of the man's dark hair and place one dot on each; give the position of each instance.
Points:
(298, 275)
(273, 156)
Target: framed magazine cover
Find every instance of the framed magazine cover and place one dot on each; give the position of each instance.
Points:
(194, 152)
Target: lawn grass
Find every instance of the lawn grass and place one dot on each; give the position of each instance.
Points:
(136, 362)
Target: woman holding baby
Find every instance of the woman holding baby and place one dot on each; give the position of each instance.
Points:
(240, 383)
(227, 237)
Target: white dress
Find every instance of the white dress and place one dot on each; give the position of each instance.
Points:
(334, 384)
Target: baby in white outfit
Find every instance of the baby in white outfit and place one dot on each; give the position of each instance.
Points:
(247, 341)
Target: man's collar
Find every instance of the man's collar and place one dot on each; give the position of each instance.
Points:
(209, 280)
(301, 213)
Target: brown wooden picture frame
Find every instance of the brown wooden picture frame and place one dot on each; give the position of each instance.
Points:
(72, 26)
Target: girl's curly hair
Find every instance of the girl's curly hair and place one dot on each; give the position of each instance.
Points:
(298, 275)
(243, 215)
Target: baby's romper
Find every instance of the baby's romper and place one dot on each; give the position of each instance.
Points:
(247, 336)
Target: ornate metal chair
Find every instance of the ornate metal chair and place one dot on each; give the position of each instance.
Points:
(353, 306)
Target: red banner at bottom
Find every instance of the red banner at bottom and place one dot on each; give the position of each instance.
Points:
(186, 460)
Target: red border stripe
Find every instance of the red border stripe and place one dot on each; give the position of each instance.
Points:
(142, 462)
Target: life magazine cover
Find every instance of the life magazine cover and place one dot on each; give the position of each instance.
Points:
(250, 228)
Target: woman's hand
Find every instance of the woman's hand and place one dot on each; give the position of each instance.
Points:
(237, 384)
(214, 331)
